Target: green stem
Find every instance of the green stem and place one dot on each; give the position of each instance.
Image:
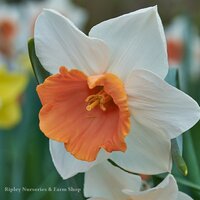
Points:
(116, 165)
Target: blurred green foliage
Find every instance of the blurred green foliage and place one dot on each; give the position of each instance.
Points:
(25, 160)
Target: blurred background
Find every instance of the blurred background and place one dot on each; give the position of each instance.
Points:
(24, 153)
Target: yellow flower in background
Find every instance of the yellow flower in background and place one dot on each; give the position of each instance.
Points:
(11, 87)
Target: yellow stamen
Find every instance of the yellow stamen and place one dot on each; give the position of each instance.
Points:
(101, 98)
(93, 105)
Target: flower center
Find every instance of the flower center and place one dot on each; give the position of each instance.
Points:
(99, 99)
(67, 98)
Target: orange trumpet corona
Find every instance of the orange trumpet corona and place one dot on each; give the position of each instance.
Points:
(86, 113)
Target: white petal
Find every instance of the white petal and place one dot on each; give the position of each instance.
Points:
(158, 106)
(166, 190)
(107, 181)
(147, 152)
(59, 43)
(66, 164)
(136, 40)
(183, 196)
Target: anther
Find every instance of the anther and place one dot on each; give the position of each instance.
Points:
(101, 98)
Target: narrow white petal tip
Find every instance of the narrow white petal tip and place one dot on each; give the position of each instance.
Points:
(155, 8)
(46, 10)
(199, 112)
(143, 51)
(50, 11)
(170, 177)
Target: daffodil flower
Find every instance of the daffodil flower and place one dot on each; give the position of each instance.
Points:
(107, 93)
(105, 182)
(11, 87)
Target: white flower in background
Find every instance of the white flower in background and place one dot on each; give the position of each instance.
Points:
(118, 71)
(23, 15)
(177, 36)
(75, 13)
(175, 42)
(8, 30)
(13, 38)
(10, 37)
(105, 182)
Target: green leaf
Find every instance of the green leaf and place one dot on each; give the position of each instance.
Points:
(177, 157)
(40, 73)
(188, 183)
(191, 157)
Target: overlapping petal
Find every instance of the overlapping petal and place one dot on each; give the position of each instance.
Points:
(68, 166)
(166, 190)
(158, 106)
(136, 40)
(59, 43)
(147, 152)
(106, 181)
